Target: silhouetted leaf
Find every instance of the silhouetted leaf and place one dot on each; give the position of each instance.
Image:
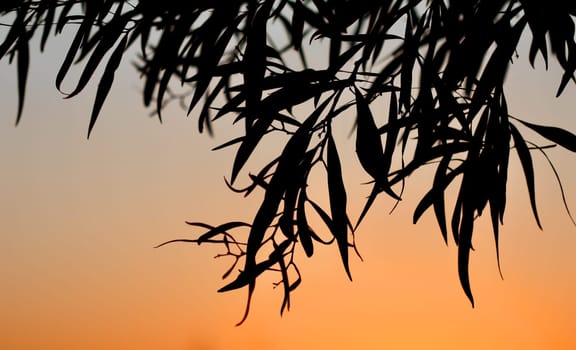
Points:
(104, 44)
(338, 201)
(219, 229)
(464, 247)
(369, 146)
(79, 38)
(391, 136)
(106, 81)
(251, 140)
(559, 136)
(436, 194)
(304, 230)
(528, 167)
(48, 22)
(23, 64)
(255, 59)
(368, 142)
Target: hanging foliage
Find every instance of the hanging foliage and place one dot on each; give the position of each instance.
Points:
(440, 66)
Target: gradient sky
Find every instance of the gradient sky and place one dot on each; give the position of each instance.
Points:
(79, 219)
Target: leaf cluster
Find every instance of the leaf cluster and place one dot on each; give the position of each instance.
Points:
(440, 66)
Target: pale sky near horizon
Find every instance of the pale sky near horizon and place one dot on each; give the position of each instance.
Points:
(79, 219)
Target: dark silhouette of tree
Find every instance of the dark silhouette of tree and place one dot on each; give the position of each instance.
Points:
(439, 66)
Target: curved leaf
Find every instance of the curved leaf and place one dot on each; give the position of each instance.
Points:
(338, 200)
(528, 167)
(23, 65)
(106, 81)
(559, 136)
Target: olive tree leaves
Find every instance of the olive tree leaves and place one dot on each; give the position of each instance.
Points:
(438, 67)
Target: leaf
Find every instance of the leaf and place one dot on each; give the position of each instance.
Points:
(23, 65)
(368, 142)
(106, 81)
(293, 187)
(104, 45)
(304, 230)
(528, 167)
(371, 198)
(219, 229)
(369, 146)
(494, 216)
(392, 134)
(72, 51)
(559, 136)
(229, 143)
(337, 194)
(436, 194)
(204, 118)
(255, 59)
(48, 22)
(566, 77)
(325, 217)
(251, 140)
(409, 56)
(17, 30)
(464, 247)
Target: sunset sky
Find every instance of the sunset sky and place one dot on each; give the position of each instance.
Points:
(79, 219)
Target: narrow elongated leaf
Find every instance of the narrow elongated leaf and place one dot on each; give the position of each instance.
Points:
(368, 142)
(371, 198)
(48, 22)
(72, 51)
(559, 136)
(409, 56)
(204, 118)
(528, 167)
(439, 203)
(337, 194)
(255, 59)
(494, 216)
(325, 217)
(464, 247)
(293, 187)
(392, 134)
(248, 277)
(304, 230)
(221, 229)
(23, 65)
(566, 77)
(17, 29)
(106, 81)
(369, 146)
(253, 137)
(104, 45)
(286, 285)
(436, 195)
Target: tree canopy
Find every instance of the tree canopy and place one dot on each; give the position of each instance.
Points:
(439, 67)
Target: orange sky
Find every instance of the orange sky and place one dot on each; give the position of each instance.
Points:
(78, 220)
